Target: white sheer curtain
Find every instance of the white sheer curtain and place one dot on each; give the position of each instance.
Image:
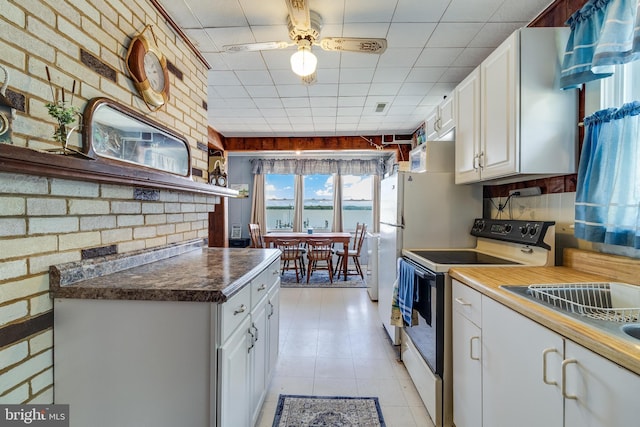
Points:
(376, 204)
(258, 213)
(337, 203)
(298, 202)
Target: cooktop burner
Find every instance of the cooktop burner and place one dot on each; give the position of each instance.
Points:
(460, 257)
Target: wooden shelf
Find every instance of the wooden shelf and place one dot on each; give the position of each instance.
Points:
(32, 162)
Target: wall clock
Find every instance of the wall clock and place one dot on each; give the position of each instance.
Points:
(147, 67)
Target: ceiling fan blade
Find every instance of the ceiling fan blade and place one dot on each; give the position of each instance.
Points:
(252, 47)
(299, 14)
(354, 44)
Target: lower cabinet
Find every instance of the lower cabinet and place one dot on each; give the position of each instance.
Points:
(248, 356)
(532, 376)
(467, 361)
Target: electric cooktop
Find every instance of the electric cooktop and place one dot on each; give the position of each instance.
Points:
(460, 257)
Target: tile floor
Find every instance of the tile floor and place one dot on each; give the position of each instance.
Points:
(332, 343)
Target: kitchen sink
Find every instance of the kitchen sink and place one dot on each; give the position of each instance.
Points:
(632, 329)
(604, 305)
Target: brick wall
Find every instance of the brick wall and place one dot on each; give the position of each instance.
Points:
(45, 221)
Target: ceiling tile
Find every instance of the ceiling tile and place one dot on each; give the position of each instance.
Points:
(353, 89)
(356, 75)
(390, 75)
(472, 56)
(400, 57)
(425, 74)
(492, 34)
(454, 34)
(470, 11)
(438, 56)
(409, 34)
(320, 89)
(295, 102)
(264, 103)
(253, 78)
(420, 10)
(368, 11)
(262, 91)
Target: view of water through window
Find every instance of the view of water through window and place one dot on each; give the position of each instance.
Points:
(357, 201)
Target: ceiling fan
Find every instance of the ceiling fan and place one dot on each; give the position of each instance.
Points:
(304, 29)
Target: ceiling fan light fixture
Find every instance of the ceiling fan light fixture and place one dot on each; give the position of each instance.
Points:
(304, 62)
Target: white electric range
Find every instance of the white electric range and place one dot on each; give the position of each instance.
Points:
(426, 349)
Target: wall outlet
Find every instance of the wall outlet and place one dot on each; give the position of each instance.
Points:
(525, 192)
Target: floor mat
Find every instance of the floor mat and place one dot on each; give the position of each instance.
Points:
(320, 279)
(328, 411)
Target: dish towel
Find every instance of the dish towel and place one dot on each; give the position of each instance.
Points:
(406, 292)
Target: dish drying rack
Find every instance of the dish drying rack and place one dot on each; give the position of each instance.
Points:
(592, 300)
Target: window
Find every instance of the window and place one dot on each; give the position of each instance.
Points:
(622, 87)
(279, 201)
(357, 201)
(318, 202)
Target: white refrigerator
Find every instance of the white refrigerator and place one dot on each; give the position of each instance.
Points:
(421, 211)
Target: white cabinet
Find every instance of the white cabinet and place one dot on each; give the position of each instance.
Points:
(441, 121)
(252, 345)
(519, 122)
(530, 375)
(234, 378)
(467, 357)
(606, 395)
(467, 143)
(518, 355)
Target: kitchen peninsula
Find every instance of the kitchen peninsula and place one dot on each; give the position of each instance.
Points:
(181, 335)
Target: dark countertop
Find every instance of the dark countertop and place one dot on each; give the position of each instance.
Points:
(198, 274)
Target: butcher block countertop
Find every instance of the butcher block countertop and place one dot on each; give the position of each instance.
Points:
(580, 266)
(183, 272)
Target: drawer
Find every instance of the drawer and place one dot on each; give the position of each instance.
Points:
(468, 302)
(234, 311)
(261, 285)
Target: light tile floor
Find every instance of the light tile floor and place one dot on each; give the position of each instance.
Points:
(332, 343)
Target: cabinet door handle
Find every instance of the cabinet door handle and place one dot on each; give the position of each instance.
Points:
(565, 363)
(462, 302)
(262, 287)
(240, 309)
(253, 341)
(481, 160)
(271, 310)
(471, 348)
(544, 366)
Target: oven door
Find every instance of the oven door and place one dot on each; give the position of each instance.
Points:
(428, 335)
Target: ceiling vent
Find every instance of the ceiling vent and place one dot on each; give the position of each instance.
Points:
(380, 106)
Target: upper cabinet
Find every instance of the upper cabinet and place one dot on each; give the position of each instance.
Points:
(511, 117)
(441, 121)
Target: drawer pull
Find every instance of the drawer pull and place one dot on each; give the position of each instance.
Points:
(240, 309)
(462, 302)
(564, 379)
(544, 366)
(471, 348)
(262, 287)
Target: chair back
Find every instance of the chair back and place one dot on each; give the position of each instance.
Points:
(290, 248)
(319, 249)
(360, 231)
(357, 243)
(256, 236)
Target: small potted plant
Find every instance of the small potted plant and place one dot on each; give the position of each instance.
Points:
(65, 113)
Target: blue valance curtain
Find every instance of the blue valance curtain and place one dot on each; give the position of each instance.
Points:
(608, 188)
(604, 33)
(317, 166)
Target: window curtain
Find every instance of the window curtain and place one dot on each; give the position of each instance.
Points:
(298, 198)
(317, 166)
(608, 187)
(604, 33)
(337, 203)
(258, 212)
(376, 204)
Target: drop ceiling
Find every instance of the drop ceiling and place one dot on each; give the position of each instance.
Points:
(432, 46)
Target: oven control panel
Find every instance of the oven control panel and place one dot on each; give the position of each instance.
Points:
(530, 233)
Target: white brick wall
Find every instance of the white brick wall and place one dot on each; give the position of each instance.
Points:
(45, 221)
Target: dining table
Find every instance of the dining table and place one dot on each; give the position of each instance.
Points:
(334, 236)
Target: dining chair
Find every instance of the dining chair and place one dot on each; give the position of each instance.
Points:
(256, 236)
(319, 256)
(353, 253)
(290, 253)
